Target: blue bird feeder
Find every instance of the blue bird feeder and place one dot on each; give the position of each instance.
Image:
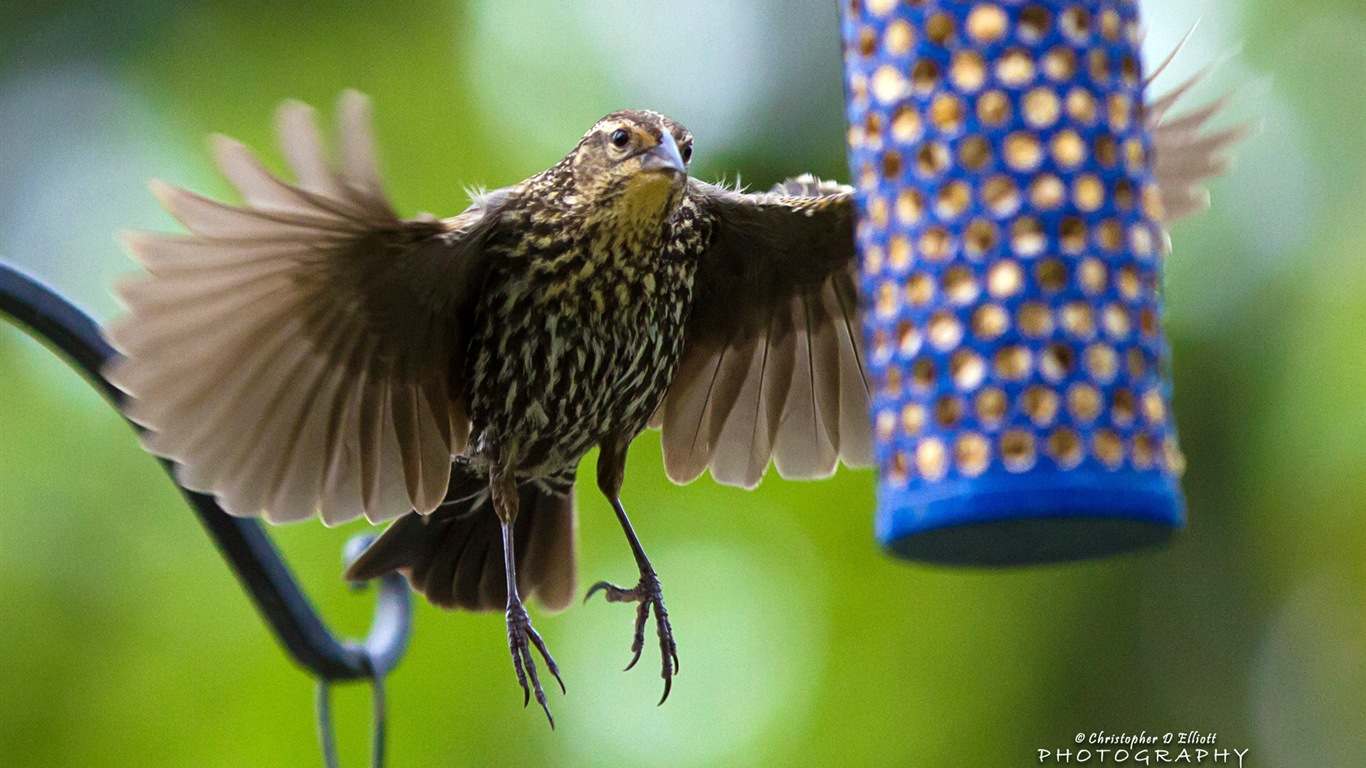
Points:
(1011, 267)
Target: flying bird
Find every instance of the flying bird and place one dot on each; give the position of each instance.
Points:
(310, 352)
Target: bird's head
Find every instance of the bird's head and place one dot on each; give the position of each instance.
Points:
(632, 166)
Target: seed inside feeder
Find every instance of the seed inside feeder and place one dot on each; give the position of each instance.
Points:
(1051, 275)
(1004, 279)
(972, 453)
(953, 200)
(888, 84)
(1091, 275)
(946, 112)
(989, 322)
(922, 374)
(935, 243)
(1022, 151)
(867, 42)
(944, 330)
(974, 152)
(932, 158)
(1122, 408)
(991, 406)
(1001, 196)
(1056, 362)
(1153, 409)
(1099, 62)
(1047, 192)
(1128, 282)
(939, 28)
(924, 76)
(1108, 448)
(948, 411)
(1081, 105)
(1084, 402)
(987, 23)
(979, 238)
(968, 71)
(1013, 362)
(891, 164)
(1040, 404)
(1017, 450)
(912, 418)
(1116, 321)
(900, 253)
(1137, 363)
(1143, 451)
(1026, 237)
(1069, 151)
(910, 206)
(1075, 24)
(993, 108)
(919, 289)
(1035, 319)
(907, 339)
(1015, 68)
(1102, 362)
(1060, 64)
(931, 458)
(1034, 23)
(1042, 107)
(1065, 447)
(1072, 234)
(1077, 319)
(967, 369)
(899, 37)
(906, 125)
(1110, 235)
(960, 287)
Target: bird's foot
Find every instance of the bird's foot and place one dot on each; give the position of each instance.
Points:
(648, 594)
(521, 638)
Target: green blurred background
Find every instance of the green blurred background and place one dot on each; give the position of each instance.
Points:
(125, 640)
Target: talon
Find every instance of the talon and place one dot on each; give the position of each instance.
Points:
(599, 587)
(522, 637)
(648, 594)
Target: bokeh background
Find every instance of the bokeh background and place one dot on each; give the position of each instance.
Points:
(125, 640)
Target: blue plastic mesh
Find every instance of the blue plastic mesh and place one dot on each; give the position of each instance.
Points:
(1011, 266)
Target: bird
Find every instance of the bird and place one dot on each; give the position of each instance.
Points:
(308, 352)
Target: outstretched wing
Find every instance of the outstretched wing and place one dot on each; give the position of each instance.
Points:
(300, 353)
(772, 364)
(772, 361)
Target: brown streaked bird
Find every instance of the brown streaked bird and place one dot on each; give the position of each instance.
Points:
(309, 352)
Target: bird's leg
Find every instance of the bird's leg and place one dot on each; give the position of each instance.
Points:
(647, 593)
(521, 635)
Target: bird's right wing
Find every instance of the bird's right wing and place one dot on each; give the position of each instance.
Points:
(301, 353)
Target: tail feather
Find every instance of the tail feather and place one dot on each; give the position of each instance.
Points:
(454, 556)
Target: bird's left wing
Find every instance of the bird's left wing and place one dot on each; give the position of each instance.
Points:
(772, 363)
(301, 353)
(772, 360)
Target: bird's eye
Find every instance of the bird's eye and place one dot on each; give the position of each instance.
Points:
(620, 138)
(687, 152)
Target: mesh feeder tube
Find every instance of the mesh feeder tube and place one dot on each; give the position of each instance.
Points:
(1010, 249)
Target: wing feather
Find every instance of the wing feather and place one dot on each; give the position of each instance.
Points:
(293, 354)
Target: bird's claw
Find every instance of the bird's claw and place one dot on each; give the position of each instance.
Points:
(522, 637)
(648, 594)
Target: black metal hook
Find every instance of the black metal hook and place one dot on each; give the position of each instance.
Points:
(244, 543)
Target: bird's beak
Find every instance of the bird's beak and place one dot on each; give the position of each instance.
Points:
(663, 157)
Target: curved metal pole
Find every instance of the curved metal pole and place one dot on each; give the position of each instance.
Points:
(244, 544)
